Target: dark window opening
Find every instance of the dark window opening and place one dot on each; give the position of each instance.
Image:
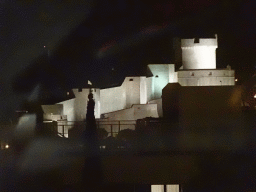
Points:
(130, 79)
(156, 75)
(196, 40)
(192, 74)
(80, 90)
(210, 73)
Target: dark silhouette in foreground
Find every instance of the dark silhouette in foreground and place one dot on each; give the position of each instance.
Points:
(92, 172)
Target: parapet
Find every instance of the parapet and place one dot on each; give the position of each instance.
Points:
(209, 42)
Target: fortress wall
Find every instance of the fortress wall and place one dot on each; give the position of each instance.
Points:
(112, 99)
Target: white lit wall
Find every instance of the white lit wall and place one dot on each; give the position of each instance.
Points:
(157, 188)
(160, 188)
(137, 90)
(133, 113)
(162, 74)
(68, 109)
(132, 90)
(200, 55)
(172, 188)
(123, 97)
(142, 111)
(80, 104)
(53, 112)
(149, 88)
(56, 109)
(143, 90)
(112, 99)
(158, 102)
(206, 77)
(76, 108)
(173, 76)
(124, 114)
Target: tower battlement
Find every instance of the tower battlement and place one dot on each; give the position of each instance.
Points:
(199, 53)
(199, 42)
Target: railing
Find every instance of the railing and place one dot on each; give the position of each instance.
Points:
(112, 127)
(64, 126)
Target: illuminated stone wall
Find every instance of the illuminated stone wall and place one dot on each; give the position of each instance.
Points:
(160, 188)
(52, 112)
(76, 108)
(142, 111)
(138, 90)
(132, 90)
(162, 75)
(56, 109)
(149, 88)
(133, 113)
(199, 64)
(210, 77)
(157, 188)
(143, 90)
(158, 102)
(68, 109)
(199, 55)
(80, 105)
(112, 99)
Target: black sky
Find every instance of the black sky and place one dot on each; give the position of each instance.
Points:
(87, 39)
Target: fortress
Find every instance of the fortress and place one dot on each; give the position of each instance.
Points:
(140, 97)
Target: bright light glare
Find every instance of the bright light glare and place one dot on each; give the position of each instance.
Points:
(236, 79)
(6, 146)
(254, 96)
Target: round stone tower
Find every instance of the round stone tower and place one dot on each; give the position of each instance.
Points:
(199, 53)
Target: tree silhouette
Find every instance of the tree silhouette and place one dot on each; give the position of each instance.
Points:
(92, 172)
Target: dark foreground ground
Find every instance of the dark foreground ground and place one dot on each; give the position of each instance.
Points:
(133, 171)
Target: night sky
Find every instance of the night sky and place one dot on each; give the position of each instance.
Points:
(104, 41)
